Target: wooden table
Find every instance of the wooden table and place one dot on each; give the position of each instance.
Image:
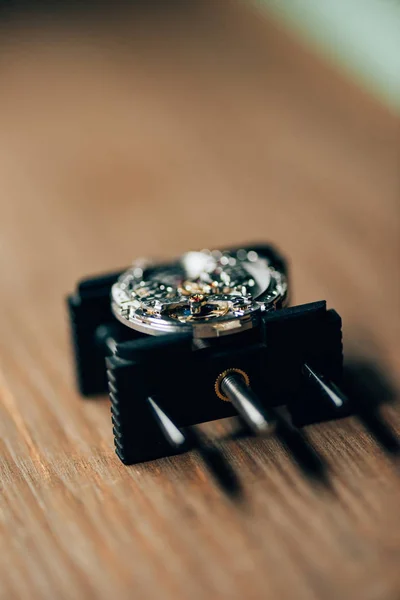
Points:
(150, 133)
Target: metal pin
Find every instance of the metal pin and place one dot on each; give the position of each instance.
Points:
(171, 432)
(194, 440)
(256, 417)
(329, 390)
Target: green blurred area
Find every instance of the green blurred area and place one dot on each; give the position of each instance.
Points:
(362, 36)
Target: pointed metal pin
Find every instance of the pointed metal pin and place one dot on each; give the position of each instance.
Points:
(257, 418)
(171, 432)
(329, 390)
(194, 440)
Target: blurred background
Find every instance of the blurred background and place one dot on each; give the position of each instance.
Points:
(361, 37)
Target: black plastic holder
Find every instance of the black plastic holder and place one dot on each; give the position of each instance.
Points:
(181, 373)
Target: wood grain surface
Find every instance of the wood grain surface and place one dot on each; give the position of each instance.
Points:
(148, 133)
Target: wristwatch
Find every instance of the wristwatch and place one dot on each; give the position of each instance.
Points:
(208, 293)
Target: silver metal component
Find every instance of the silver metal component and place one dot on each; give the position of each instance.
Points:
(247, 405)
(174, 435)
(328, 389)
(209, 294)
